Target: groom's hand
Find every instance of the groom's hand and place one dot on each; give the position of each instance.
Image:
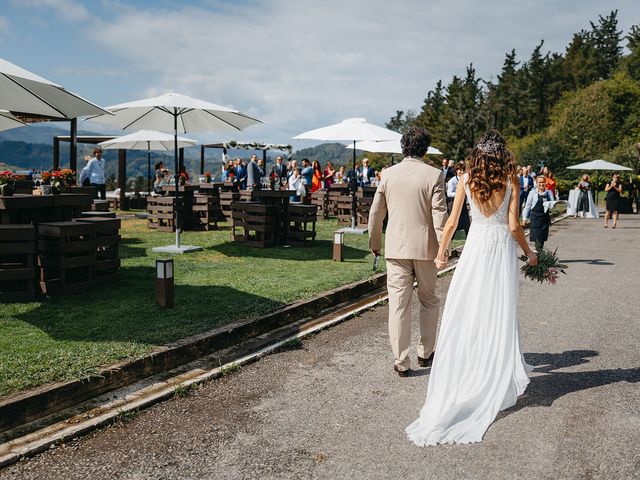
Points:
(441, 261)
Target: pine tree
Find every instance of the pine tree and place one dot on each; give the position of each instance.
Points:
(606, 41)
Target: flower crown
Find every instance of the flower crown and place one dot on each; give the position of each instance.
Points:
(489, 146)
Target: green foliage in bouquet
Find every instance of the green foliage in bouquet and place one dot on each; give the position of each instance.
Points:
(548, 268)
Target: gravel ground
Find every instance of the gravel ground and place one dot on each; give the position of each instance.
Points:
(335, 409)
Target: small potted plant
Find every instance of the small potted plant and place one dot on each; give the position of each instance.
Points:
(57, 182)
(207, 177)
(68, 178)
(7, 183)
(182, 178)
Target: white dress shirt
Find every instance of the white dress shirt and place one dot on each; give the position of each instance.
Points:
(451, 187)
(95, 171)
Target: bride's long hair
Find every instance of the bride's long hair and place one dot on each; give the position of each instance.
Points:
(490, 165)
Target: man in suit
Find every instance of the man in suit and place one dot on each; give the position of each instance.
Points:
(279, 169)
(365, 174)
(412, 194)
(241, 173)
(526, 185)
(448, 170)
(253, 174)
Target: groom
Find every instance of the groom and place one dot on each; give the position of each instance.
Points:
(412, 194)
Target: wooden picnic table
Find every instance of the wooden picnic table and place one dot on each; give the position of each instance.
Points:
(280, 200)
(34, 209)
(186, 216)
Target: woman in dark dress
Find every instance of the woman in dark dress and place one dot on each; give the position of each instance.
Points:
(583, 197)
(534, 211)
(613, 189)
(464, 222)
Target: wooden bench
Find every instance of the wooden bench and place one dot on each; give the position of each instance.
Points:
(320, 199)
(257, 223)
(302, 225)
(66, 257)
(17, 271)
(227, 198)
(160, 212)
(343, 206)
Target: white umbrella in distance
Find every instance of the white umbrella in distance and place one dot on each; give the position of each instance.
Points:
(598, 165)
(392, 146)
(175, 113)
(9, 121)
(147, 140)
(352, 130)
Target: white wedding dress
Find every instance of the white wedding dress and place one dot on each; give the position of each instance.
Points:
(478, 368)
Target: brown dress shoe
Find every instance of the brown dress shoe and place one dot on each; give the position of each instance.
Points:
(401, 373)
(426, 362)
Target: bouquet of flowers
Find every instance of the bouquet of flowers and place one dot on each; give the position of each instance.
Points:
(7, 178)
(182, 178)
(548, 268)
(207, 177)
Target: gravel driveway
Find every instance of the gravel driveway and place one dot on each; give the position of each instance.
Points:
(334, 408)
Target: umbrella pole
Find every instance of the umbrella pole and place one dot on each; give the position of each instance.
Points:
(149, 168)
(354, 188)
(177, 174)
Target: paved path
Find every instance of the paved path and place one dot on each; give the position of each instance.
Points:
(334, 409)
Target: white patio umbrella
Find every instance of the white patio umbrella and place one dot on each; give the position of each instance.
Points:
(9, 121)
(352, 130)
(28, 95)
(147, 140)
(392, 146)
(173, 112)
(22, 91)
(598, 165)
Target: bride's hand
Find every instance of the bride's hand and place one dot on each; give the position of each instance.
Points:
(533, 259)
(441, 261)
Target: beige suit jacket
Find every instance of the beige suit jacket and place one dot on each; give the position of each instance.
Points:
(413, 195)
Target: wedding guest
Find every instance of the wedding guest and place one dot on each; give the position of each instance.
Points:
(295, 184)
(316, 181)
(365, 173)
(329, 175)
(278, 169)
(536, 213)
(293, 164)
(307, 173)
(159, 177)
(261, 166)
(530, 172)
(526, 185)
(95, 173)
(448, 170)
(464, 222)
(613, 189)
(583, 205)
(551, 183)
(340, 175)
(183, 172)
(241, 173)
(253, 174)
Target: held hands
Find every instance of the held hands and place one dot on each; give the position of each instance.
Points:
(441, 261)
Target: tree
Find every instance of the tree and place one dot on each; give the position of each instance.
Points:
(606, 42)
(401, 121)
(432, 112)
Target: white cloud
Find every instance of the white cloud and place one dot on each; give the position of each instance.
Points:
(70, 10)
(302, 64)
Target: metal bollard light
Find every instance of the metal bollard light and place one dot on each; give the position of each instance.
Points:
(338, 246)
(164, 283)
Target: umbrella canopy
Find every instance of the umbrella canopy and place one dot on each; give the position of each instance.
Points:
(598, 165)
(351, 129)
(175, 112)
(391, 146)
(9, 121)
(147, 140)
(24, 92)
(159, 113)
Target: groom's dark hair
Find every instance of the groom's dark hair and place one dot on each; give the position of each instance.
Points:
(415, 142)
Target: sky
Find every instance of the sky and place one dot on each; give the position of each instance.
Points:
(294, 64)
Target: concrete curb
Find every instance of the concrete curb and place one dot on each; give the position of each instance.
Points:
(30, 405)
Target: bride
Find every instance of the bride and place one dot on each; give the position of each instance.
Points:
(478, 368)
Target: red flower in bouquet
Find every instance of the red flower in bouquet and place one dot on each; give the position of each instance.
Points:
(207, 177)
(45, 178)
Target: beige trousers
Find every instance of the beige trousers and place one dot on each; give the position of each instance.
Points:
(400, 277)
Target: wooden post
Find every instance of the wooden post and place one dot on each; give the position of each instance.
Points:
(201, 159)
(122, 178)
(181, 159)
(56, 153)
(73, 145)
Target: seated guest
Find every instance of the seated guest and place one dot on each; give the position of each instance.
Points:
(535, 211)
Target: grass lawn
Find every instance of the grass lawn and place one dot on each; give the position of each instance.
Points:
(69, 337)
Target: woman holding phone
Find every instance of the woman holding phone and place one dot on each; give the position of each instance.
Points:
(613, 189)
